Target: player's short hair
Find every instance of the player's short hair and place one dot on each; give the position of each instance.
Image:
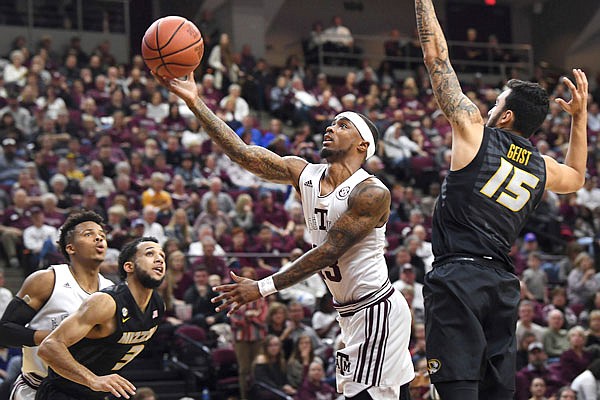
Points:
(529, 102)
(67, 230)
(128, 253)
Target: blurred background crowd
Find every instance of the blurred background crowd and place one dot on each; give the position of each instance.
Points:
(80, 130)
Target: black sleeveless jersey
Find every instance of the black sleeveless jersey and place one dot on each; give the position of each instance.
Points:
(483, 207)
(108, 355)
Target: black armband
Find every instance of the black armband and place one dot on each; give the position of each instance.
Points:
(12, 325)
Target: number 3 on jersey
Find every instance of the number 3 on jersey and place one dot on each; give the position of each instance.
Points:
(331, 273)
(515, 194)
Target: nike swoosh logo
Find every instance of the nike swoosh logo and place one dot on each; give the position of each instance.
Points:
(125, 319)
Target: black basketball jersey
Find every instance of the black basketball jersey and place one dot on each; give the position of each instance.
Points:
(483, 207)
(108, 355)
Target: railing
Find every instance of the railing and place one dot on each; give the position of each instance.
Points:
(78, 15)
(372, 48)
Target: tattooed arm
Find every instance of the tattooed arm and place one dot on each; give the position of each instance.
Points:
(454, 103)
(368, 208)
(255, 159)
(464, 116)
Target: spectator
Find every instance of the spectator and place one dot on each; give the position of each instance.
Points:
(214, 264)
(313, 387)
(225, 202)
(574, 360)
(151, 227)
(593, 333)
(179, 228)
(234, 106)
(249, 330)
(269, 210)
(269, 366)
(408, 278)
(199, 296)
(558, 301)
(16, 71)
(157, 196)
(538, 389)
(10, 164)
(525, 322)
(555, 338)
(242, 215)
(178, 274)
(40, 238)
(302, 356)
(221, 62)
(102, 185)
(535, 278)
(536, 368)
(582, 283)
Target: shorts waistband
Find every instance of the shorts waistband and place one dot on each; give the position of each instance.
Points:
(488, 262)
(32, 380)
(349, 309)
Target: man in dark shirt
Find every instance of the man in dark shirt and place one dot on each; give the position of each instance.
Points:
(108, 331)
(496, 179)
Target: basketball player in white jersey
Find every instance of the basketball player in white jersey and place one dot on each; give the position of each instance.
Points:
(47, 297)
(346, 211)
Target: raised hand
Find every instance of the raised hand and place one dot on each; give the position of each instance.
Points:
(237, 294)
(579, 93)
(185, 89)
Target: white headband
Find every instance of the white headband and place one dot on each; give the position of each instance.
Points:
(362, 127)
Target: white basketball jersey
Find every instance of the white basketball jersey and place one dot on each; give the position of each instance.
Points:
(362, 270)
(65, 299)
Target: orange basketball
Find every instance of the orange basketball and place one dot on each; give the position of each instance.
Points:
(172, 47)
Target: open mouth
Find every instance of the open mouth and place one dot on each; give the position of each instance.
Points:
(158, 270)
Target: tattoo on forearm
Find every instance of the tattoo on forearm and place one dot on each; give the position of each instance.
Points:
(444, 81)
(255, 159)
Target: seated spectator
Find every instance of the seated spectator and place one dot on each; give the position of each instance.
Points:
(408, 278)
(582, 281)
(102, 185)
(269, 366)
(324, 320)
(536, 368)
(576, 359)
(314, 387)
(338, 39)
(555, 338)
(151, 227)
(302, 356)
(214, 264)
(234, 106)
(157, 196)
(178, 273)
(40, 238)
(538, 389)
(225, 202)
(566, 393)
(587, 383)
(179, 228)
(52, 215)
(199, 296)
(10, 163)
(249, 331)
(278, 324)
(269, 244)
(593, 333)
(242, 215)
(117, 227)
(268, 210)
(558, 301)
(299, 328)
(522, 352)
(525, 322)
(215, 218)
(535, 278)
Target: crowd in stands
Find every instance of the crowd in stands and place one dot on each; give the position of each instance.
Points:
(79, 130)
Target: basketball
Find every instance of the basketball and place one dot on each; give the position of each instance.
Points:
(172, 47)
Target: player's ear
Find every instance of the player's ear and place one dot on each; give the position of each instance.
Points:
(70, 249)
(128, 266)
(363, 146)
(507, 117)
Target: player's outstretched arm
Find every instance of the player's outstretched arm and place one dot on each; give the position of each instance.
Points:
(454, 103)
(34, 293)
(96, 313)
(368, 207)
(256, 159)
(570, 176)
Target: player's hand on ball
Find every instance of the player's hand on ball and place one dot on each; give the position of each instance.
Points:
(236, 294)
(115, 384)
(185, 89)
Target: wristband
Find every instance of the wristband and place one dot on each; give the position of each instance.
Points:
(266, 286)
